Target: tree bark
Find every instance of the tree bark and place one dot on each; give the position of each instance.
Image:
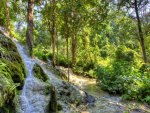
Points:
(140, 32)
(67, 42)
(53, 31)
(57, 49)
(7, 17)
(73, 49)
(30, 26)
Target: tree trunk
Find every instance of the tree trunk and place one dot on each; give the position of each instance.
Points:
(140, 32)
(57, 50)
(73, 49)
(7, 17)
(53, 31)
(67, 45)
(67, 49)
(30, 25)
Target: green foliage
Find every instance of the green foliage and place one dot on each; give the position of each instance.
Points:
(7, 85)
(125, 54)
(11, 74)
(63, 61)
(42, 53)
(123, 78)
(39, 73)
(10, 57)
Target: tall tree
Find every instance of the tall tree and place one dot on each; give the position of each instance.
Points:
(7, 17)
(53, 29)
(49, 16)
(137, 5)
(67, 40)
(30, 26)
(140, 31)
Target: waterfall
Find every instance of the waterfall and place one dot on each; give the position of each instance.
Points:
(29, 63)
(33, 98)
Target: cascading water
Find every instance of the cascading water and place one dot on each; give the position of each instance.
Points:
(29, 63)
(32, 99)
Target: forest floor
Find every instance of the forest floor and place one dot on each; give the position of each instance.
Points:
(105, 103)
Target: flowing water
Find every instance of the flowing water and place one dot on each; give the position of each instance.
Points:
(29, 63)
(33, 98)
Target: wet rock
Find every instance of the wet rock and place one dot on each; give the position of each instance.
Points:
(59, 107)
(53, 101)
(89, 98)
(137, 111)
(36, 100)
(12, 73)
(69, 93)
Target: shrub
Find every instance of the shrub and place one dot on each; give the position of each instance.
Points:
(104, 53)
(123, 78)
(42, 53)
(124, 54)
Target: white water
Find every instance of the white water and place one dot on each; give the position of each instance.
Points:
(29, 63)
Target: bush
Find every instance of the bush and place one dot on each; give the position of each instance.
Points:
(123, 78)
(115, 80)
(104, 53)
(124, 54)
(63, 61)
(85, 68)
(42, 53)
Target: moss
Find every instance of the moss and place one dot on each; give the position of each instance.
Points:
(7, 89)
(10, 56)
(12, 72)
(15, 69)
(39, 73)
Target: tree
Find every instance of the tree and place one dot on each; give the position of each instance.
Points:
(49, 16)
(137, 5)
(140, 31)
(53, 29)
(30, 26)
(4, 15)
(7, 17)
(67, 39)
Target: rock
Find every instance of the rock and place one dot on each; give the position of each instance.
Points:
(36, 97)
(59, 107)
(53, 101)
(12, 73)
(89, 98)
(39, 73)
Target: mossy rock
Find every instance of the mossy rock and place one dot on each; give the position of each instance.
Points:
(7, 90)
(12, 73)
(53, 102)
(16, 72)
(10, 56)
(39, 73)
